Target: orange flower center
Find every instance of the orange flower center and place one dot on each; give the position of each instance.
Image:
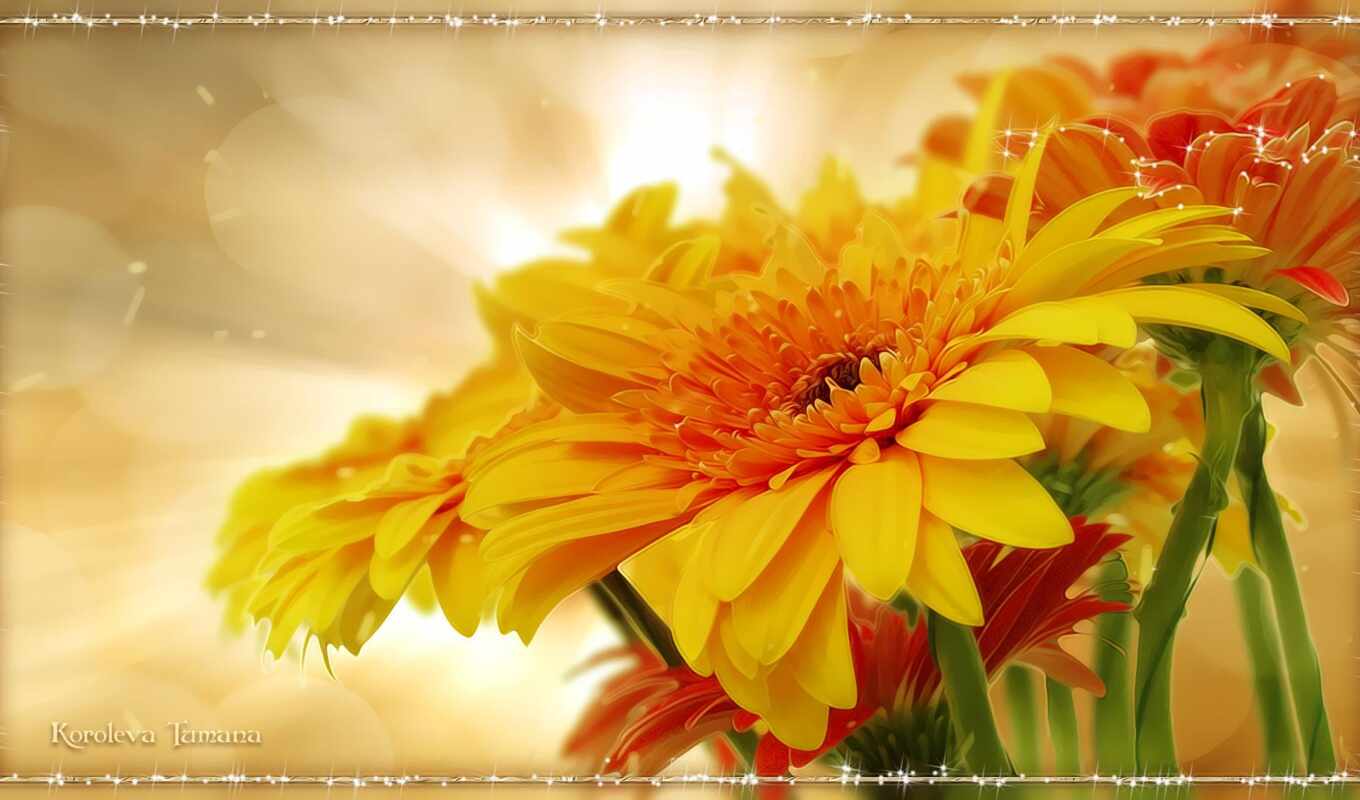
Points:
(834, 371)
(786, 382)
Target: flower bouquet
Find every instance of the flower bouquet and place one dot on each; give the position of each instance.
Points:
(849, 477)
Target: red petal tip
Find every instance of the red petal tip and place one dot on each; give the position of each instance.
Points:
(1320, 282)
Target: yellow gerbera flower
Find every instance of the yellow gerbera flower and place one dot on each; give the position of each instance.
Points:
(336, 567)
(445, 427)
(639, 228)
(819, 419)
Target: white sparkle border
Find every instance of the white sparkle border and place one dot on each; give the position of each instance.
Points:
(600, 20)
(699, 20)
(903, 779)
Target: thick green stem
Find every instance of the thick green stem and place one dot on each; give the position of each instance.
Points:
(1267, 668)
(1062, 728)
(965, 686)
(1226, 373)
(1272, 553)
(1022, 703)
(1113, 716)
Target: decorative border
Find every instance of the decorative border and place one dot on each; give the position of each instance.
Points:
(601, 20)
(847, 778)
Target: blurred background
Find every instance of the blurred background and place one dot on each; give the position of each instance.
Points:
(221, 245)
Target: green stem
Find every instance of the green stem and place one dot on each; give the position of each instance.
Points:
(955, 650)
(1267, 668)
(1062, 728)
(1113, 714)
(1272, 553)
(1023, 705)
(1226, 373)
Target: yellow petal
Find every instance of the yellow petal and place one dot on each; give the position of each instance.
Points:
(996, 500)
(751, 693)
(1021, 200)
(459, 578)
(978, 235)
(1007, 379)
(583, 517)
(400, 523)
(389, 575)
(1163, 218)
(538, 291)
(939, 575)
(608, 351)
(597, 429)
(655, 571)
(1088, 387)
(1252, 298)
(677, 305)
(821, 658)
(578, 387)
(1058, 275)
(744, 539)
(322, 526)
(979, 149)
(543, 471)
(1182, 249)
(687, 263)
(768, 616)
(966, 430)
(349, 569)
(737, 655)
(1045, 322)
(364, 613)
(1077, 222)
(695, 608)
(874, 513)
(560, 572)
(795, 717)
(1232, 539)
(866, 452)
(1114, 325)
(1192, 308)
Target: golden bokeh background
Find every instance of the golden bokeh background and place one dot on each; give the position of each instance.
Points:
(221, 245)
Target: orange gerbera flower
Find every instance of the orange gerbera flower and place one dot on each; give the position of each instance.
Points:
(771, 435)
(1226, 78)
(1288, 167)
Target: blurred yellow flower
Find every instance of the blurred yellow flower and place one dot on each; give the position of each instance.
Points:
(336, 567)
(770, 433)
(445, 427)
(430, 443)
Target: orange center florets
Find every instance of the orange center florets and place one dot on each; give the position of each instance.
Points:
(791, 381)
(836, 371)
